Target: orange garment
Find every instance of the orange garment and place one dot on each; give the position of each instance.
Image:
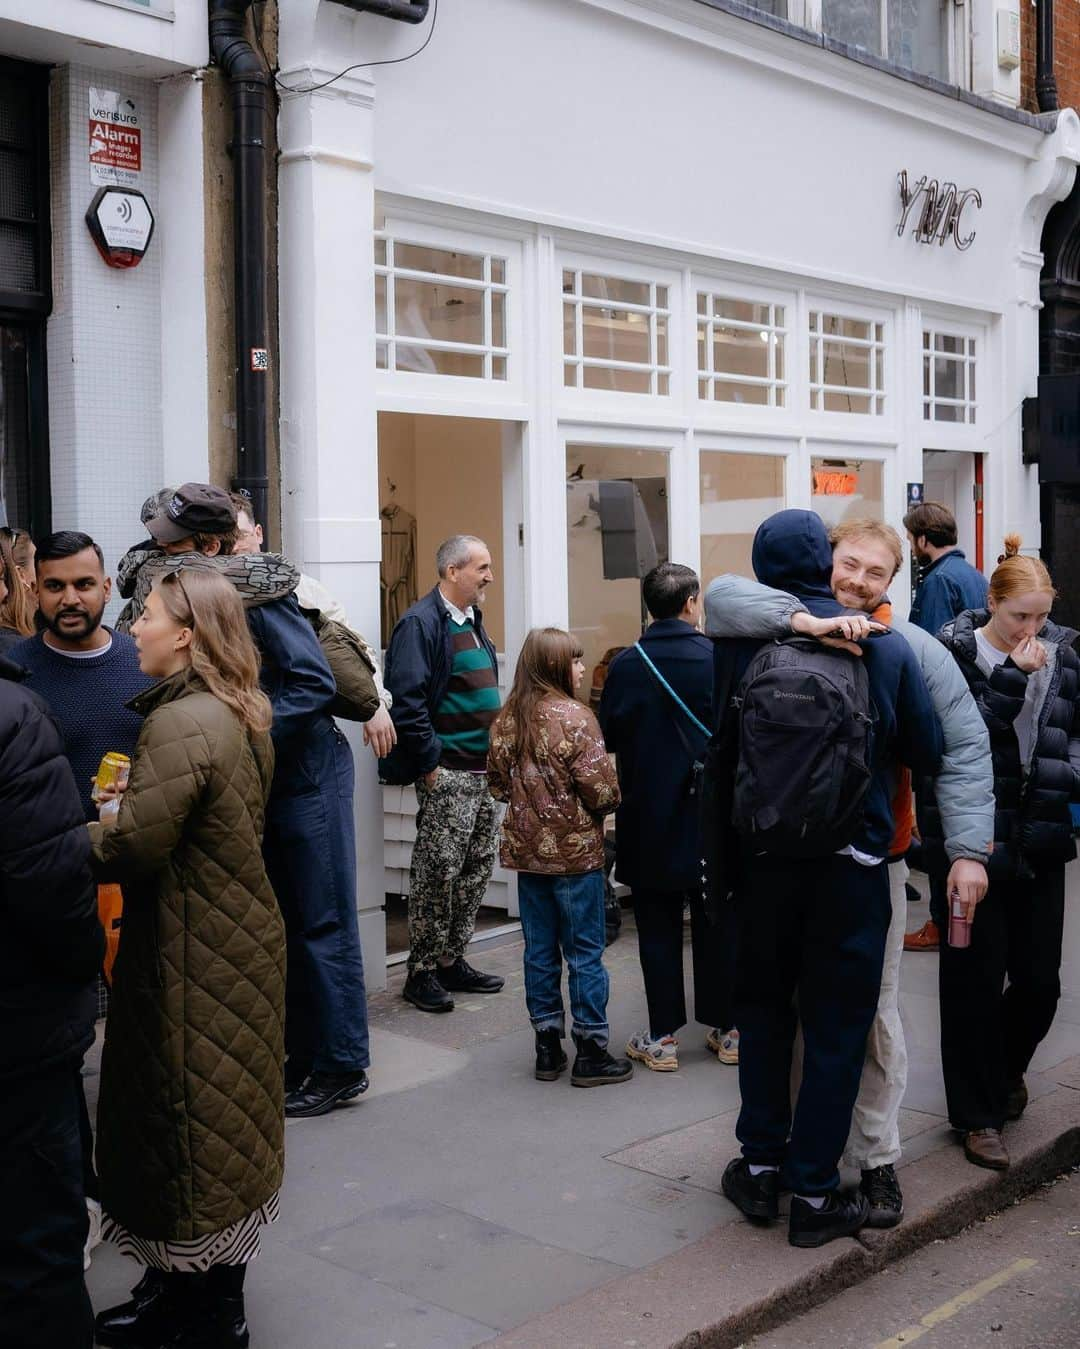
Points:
(903, 801)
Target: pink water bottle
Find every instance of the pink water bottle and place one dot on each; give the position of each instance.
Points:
(959, 926)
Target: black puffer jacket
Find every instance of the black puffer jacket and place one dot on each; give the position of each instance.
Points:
(1032, 823)
(53, 943)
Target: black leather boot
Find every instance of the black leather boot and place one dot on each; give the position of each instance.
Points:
(221, 1322)
(595, 1067)
(138, 1323)
(550, 1059)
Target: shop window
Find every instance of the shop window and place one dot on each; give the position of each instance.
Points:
(912, 33)
(615, 334)
(948, 378)
(616, 532)
(440, 312)
(740, 346)
(847, 489)
(738, 492)
(847, 364)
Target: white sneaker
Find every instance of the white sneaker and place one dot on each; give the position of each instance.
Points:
(724, 1044)
(662, 1055)
(93, 1236)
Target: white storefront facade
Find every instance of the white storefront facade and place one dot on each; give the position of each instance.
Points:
(606, 281)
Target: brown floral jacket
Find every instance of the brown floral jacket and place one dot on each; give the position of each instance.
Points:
(557, 801)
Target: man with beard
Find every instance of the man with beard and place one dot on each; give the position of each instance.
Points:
(85, 673)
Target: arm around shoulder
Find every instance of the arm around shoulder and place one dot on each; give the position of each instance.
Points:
(736, 606)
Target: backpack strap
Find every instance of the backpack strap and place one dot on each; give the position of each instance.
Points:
(671, 692)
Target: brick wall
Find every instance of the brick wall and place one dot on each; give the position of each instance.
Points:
(1066, 53)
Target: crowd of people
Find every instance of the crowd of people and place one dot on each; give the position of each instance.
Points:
(765, 748)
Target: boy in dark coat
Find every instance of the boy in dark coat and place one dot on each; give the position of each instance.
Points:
(658, 850)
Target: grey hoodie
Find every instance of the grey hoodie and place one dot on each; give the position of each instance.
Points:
(736, 606)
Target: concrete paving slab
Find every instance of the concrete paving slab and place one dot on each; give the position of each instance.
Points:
(403, 1062)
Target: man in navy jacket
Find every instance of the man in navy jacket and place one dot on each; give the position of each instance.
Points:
(658, 851)
(948, 584)
(815, 926)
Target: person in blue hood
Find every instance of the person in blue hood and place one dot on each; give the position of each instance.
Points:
(815, 926)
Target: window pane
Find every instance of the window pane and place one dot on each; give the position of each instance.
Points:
(570, 378)
(971, 382)
(663, 385)
(614, 288)
(947, 342)
(446, 313)
(381, 355)
(741, 311)
(498, 367)
(702, 303)
(616, 335)
(918, 36)
(568, 283)
(380, 252)
(703, 388)
(845, 489)
(738, 492)
(856, 22)
(948, 412)
(661, 342)
(926, 376)
(661, 297)
(620, 381)
(498, 320)
(948, 379)
(702, 349)
(778, 315)
(416, 258)
(424, 361)
(498, 271)
(847, 366)
(730, 392)
(778, 357)
(380, 304)
(846, 402)
(740, 351)
(569, 329)
(837, 326)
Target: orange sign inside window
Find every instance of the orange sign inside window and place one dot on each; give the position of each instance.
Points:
(835, 483)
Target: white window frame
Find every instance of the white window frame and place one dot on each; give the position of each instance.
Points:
(882, 399)
(719, 290)
(573, 399)
(402, 389)
(957, 35)
(969, 360)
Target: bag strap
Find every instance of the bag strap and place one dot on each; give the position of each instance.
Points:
(671, 692)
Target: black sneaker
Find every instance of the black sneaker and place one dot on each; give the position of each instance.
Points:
(296, 1074)
(423, 990)
(595, 1067)
(322, 1092)
(460, 977)
(757, 1197)
(843, 1212)
(883, 1194)
(1016, 1099)
(550, 1058)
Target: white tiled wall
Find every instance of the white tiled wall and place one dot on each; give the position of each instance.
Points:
(105, 335)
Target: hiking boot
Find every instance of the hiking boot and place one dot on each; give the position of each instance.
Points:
(425, 991)
(460, 977)
(1017, 1099)
(724, 1044)
(661, 1055)
(550, 1058)
(843, 1212)
(926, 939)
(884, 1196)
(755, 1196)
(984, 1147)
(594, 1066)
(322, 1092)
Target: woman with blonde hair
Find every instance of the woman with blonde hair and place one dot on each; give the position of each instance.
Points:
(190, 1118)
(17, 602)
(1025, 678)
(548, 762)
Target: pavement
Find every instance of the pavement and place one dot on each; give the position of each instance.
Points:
(461, 1202)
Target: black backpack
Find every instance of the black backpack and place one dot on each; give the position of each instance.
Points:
(805, 726)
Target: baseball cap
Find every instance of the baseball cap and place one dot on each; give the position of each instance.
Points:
(194, 508)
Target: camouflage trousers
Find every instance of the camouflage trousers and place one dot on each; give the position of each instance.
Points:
(452, 861)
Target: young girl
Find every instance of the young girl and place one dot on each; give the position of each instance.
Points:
(190, 1118)
(1025, 678)
(17, 602)
(547, 761)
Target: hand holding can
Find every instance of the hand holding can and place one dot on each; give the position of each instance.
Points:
(959, 922)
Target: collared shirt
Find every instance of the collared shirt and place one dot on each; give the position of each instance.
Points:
(458, 615)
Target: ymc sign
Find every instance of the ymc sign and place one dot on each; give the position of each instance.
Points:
(121, 224)
(938, 210)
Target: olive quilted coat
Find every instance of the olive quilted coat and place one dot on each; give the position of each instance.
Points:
(190, 1115)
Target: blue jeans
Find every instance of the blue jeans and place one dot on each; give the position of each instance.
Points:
(310, 852)
(563, 917)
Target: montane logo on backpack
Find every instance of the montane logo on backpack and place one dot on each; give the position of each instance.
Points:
(793, 697)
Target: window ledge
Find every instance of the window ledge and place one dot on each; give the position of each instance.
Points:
(1044, 122)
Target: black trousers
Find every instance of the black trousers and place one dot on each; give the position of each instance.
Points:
(658, 915)
(989, 1032)
(43, 1298)
(816, 928)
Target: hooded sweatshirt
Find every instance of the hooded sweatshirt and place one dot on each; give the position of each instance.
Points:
(792, 552)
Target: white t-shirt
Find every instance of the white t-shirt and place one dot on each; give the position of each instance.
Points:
(988, 658)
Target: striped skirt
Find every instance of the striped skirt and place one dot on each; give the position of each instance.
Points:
(233, 1245)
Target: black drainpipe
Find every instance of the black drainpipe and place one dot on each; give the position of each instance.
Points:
(249, 83)
(1045, 83)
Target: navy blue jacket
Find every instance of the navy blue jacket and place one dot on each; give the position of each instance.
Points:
(294, 676)
(948, 587)
(657, 826)
(792, 553)
(418, 663)
(53, 942)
